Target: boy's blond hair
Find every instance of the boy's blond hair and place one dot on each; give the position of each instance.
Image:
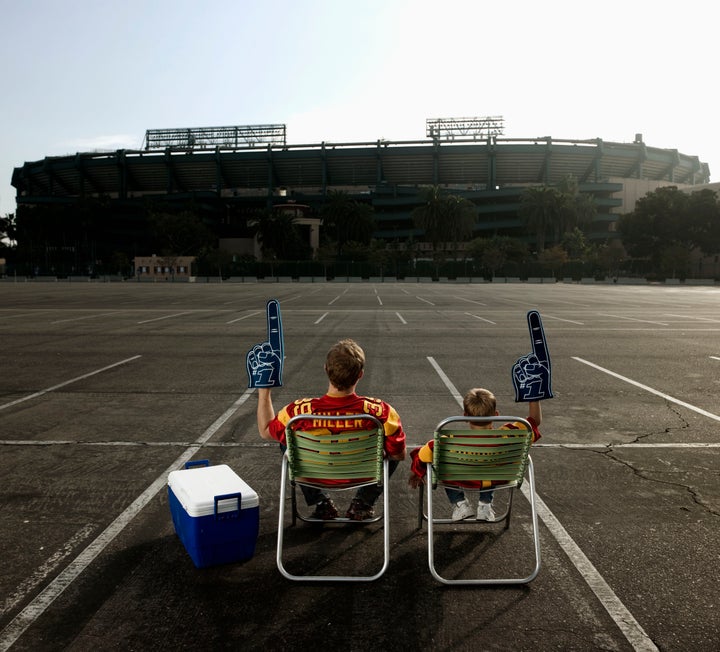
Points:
(479, 402)
(344, 364)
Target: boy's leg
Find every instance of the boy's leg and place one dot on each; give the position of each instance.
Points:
(485, 511)
(486, 496)
(461, 505)
(454, 495)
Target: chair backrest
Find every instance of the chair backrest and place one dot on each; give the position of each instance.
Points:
(497, 456)
(352, 456)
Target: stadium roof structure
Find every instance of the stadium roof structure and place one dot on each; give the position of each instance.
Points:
(490, 164)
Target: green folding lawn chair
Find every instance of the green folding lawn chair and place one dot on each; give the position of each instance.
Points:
(499, 457)
(334, 462)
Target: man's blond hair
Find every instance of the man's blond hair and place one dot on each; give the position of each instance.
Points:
(344, 364)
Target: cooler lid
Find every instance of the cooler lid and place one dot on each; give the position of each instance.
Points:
(197, 488)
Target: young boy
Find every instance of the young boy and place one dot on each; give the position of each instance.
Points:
(478, 402)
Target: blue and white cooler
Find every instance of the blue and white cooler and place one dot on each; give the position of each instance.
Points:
(215, 513)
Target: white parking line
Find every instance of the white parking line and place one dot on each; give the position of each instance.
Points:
(625, 621)
(47, 596)
(479, 303)
(667, 397)
(569, 321)
(469, 314)
(68, 382)
(244, 444)
(103, 314)
(400, 317)
(45, 569)
(319, 319)
(338, 296)
(633, 631)
(715, 321)
(252, 314)
(643, 321)
(177, 314)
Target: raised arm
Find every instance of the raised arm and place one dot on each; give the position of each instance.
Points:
(535, 412)
(265, 412)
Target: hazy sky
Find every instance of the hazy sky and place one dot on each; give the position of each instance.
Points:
(84, 75)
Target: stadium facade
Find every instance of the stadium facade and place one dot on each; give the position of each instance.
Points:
(224, 181)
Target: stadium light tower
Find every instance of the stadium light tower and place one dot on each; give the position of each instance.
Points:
(477, 128)
(211, 137)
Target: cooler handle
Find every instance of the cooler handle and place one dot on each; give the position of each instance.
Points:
(193, 463)
(231, 514)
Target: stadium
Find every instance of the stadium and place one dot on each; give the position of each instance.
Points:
(229, 173)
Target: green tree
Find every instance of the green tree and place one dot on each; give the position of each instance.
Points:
(577, 209)
(658, 226)
(444, 218)
(541, 210)
(279, 237)
(461, 217)
(491, 254)
(555, 211)
(8, 230)
(575, 244)
(674, 261)
(429, 216)
(345, 220)
(610, 258)
(703, 219)
(217, 261)
(181, 234)
(554, 258)
(120, 263)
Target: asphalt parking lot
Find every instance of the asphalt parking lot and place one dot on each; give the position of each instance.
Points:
(107, 387)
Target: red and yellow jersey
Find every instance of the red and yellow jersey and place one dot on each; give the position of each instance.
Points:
(424, 455)
(339, 405)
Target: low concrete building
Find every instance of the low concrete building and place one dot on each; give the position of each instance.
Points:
(163, 268)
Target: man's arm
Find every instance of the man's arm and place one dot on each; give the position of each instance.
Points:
(265, 412)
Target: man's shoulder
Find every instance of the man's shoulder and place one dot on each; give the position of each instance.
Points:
(372, 399)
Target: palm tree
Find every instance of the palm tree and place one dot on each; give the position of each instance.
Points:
(430, 215)
(576, 209)
(279, 238)
(460, 219)
(444, 218)
(540, 207)
(347, 220)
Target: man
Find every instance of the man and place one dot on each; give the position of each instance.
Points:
(344, 366)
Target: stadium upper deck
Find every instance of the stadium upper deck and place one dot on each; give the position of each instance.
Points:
(492, 172)
(493, 164)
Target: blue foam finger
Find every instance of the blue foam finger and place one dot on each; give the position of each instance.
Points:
(532, 373)
(537, 336)
(276, 338)
(275, 329)
(264, 362)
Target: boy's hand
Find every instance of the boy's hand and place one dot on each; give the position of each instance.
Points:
(265, 361)
(531, 374)
(415, 482)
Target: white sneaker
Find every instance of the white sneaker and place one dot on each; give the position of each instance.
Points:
(462, 510)
(485, 512)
